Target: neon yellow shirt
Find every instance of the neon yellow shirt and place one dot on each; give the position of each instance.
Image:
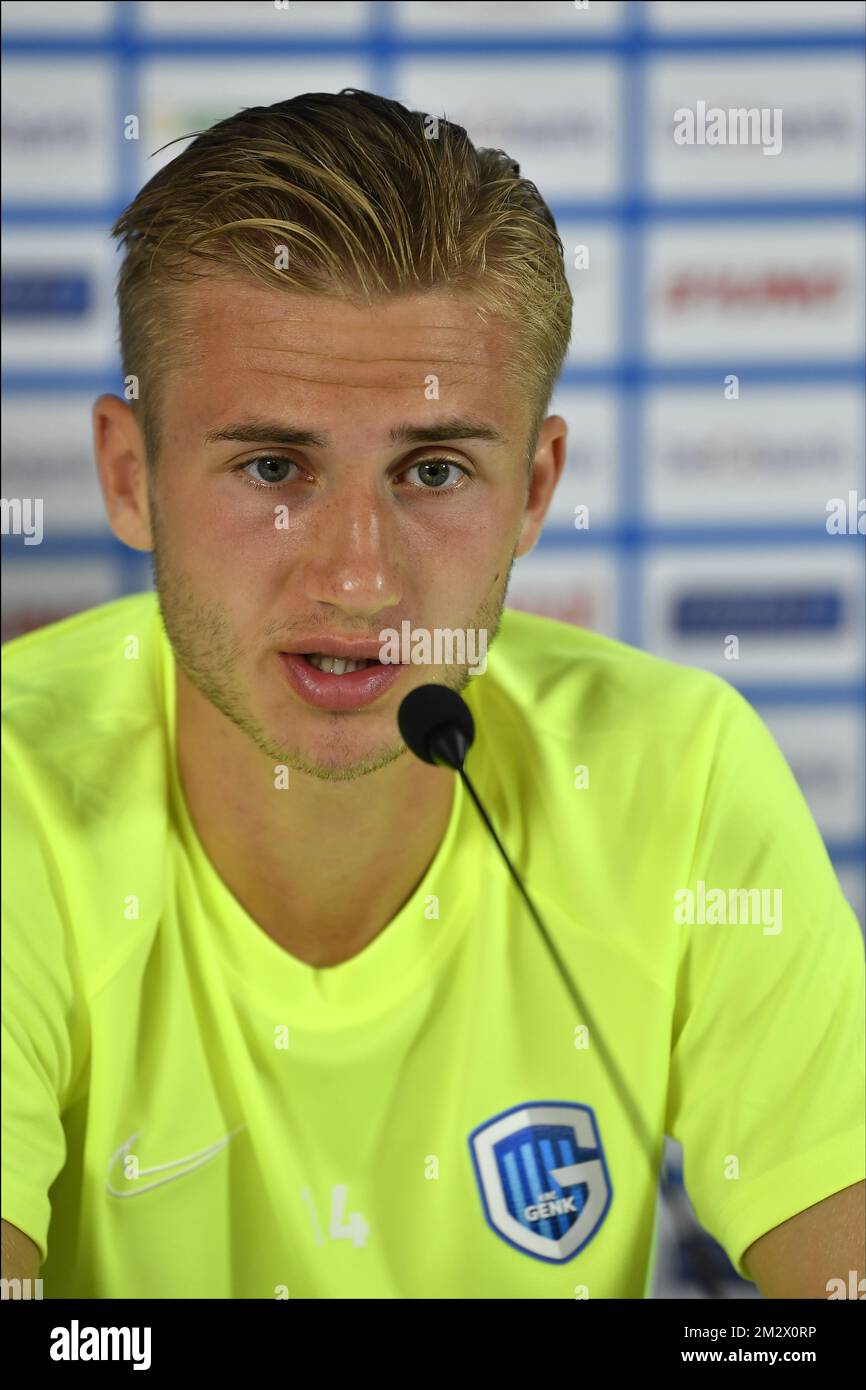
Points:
(190, 1111)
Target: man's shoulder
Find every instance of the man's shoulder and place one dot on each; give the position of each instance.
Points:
(78, 694)
(71, 669)
(84, 776)
(559, 673)
(70, 636)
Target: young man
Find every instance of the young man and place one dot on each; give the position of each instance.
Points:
(278, 1021)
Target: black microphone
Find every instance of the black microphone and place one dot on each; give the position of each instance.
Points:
(436, 724)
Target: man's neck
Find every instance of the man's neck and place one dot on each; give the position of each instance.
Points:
(321, 866)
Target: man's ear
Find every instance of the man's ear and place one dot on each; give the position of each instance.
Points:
(121, 462)
(546, 471)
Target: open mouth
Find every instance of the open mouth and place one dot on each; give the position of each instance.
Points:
(338, 682)
(336, 665)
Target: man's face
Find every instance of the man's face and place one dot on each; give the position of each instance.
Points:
(263, 547)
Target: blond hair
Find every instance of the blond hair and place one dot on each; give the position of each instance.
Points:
(370, 199)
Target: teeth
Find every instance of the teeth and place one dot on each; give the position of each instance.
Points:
(335, 665)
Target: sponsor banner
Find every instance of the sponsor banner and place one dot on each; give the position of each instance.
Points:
(538, 16)
(824, 748)
(729, 16)
(54, 462)
(46, 591)
(58, 299)
(673, 1272)
(775, 456)
(591, 475)
(180, 96)
(254, 18)
(755, 615)
(59, 141)
(745, 126)
(55, 17)
(558, 117)
(734, 292)
(853, 881)
(593, 254)
(573, 586)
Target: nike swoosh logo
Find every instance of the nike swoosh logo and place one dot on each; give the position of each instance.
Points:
(191, 1162)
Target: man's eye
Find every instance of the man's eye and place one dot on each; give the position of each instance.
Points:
(434, 475)
(270, 474)
(437, 474)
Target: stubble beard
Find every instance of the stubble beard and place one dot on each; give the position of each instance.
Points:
(209, 654)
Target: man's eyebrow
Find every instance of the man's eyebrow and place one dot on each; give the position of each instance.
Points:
(267, 432)
(446, 429)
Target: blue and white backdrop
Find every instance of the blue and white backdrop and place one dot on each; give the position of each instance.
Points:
(714, 387)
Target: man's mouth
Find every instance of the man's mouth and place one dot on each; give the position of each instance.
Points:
(335, 665)
(336, 682)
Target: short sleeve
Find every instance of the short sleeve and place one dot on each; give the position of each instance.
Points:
(41, 1014)
(767, 1088)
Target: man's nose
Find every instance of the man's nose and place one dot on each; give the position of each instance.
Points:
(353, 562)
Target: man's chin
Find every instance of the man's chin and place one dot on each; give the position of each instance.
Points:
(346, 751)
(346, 767)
